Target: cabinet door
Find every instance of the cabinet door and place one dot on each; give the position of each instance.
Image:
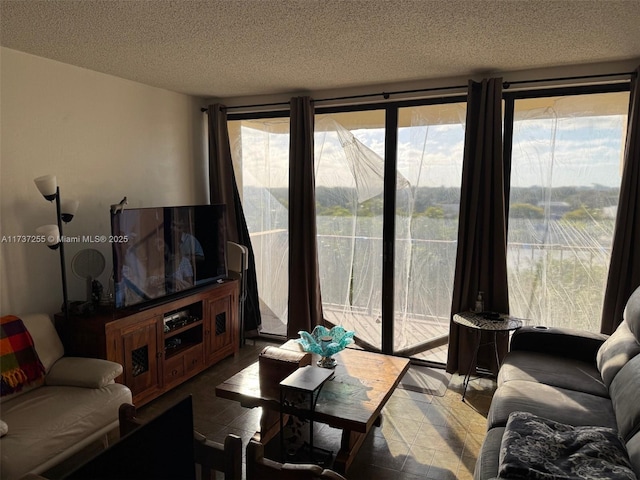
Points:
(220, 332)
(140, 350)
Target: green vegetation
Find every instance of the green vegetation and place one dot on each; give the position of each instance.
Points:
(583, 214)
(434, 212)
(525, 210)
(572, 204)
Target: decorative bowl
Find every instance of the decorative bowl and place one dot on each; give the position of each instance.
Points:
(326, 343)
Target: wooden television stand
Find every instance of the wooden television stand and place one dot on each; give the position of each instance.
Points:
(164, 345)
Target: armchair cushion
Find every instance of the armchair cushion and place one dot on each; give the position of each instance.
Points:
(82, 372)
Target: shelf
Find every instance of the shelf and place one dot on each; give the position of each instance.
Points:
(172, 352)
(184, 328)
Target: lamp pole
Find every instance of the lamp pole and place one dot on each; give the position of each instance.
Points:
(63, 268)
(48, 187)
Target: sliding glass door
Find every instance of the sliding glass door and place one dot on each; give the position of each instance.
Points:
(429, 174)
(352, 175)
(349, 162)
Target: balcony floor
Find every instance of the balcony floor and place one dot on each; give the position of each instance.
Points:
(368, 328)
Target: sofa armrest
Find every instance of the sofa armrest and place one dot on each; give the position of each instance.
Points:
(565, 342)
(82, 372)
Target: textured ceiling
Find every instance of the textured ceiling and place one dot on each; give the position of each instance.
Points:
(252, 47)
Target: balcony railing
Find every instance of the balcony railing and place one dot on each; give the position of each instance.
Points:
(551, 284)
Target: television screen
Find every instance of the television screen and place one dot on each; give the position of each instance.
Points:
(164, 251)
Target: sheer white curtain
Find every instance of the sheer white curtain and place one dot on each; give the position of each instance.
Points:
(430, 150)
(565, 182)
(349, 153)
(260, 151)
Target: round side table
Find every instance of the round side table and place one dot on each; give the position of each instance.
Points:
(485, 322)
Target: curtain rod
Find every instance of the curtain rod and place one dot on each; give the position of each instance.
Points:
(579, 77)
(386, 95)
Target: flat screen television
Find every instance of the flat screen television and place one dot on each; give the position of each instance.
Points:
(165, 252)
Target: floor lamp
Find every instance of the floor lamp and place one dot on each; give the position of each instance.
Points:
(53, 236)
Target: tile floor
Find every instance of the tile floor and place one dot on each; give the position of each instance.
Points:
(421, 436)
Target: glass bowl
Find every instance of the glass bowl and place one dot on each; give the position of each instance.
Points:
(326, 343)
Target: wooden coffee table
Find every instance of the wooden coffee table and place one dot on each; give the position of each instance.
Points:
(352, 400)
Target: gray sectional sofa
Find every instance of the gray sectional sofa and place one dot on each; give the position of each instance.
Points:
(568, 381)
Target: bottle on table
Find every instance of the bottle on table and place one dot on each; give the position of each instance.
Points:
(479, 303)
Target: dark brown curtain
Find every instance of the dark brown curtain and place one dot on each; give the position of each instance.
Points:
(624, 269)
(481, 261)
(223, 189)
(305, 304)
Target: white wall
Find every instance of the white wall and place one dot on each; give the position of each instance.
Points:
(104, 138)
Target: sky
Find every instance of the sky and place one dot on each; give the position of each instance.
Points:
(548, 151)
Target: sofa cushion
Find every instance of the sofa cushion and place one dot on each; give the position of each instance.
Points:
(616, 351)
(552, 370)
(51, 421)
(489, 456)
(558, 404)
(632, 313)
(625, 395)
(633, 449)
(537, 448)
(83, 372)
(45, 338)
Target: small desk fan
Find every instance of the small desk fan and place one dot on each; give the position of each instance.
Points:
(89, 264)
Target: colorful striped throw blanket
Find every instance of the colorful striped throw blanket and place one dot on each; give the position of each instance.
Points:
(19, 362)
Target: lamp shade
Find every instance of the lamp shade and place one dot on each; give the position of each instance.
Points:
(47, 185)
(69, 209)
(51, 235)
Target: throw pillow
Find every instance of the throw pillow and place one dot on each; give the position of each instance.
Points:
(538, 448)
(19, 362)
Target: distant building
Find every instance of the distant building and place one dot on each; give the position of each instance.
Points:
(556, 209)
